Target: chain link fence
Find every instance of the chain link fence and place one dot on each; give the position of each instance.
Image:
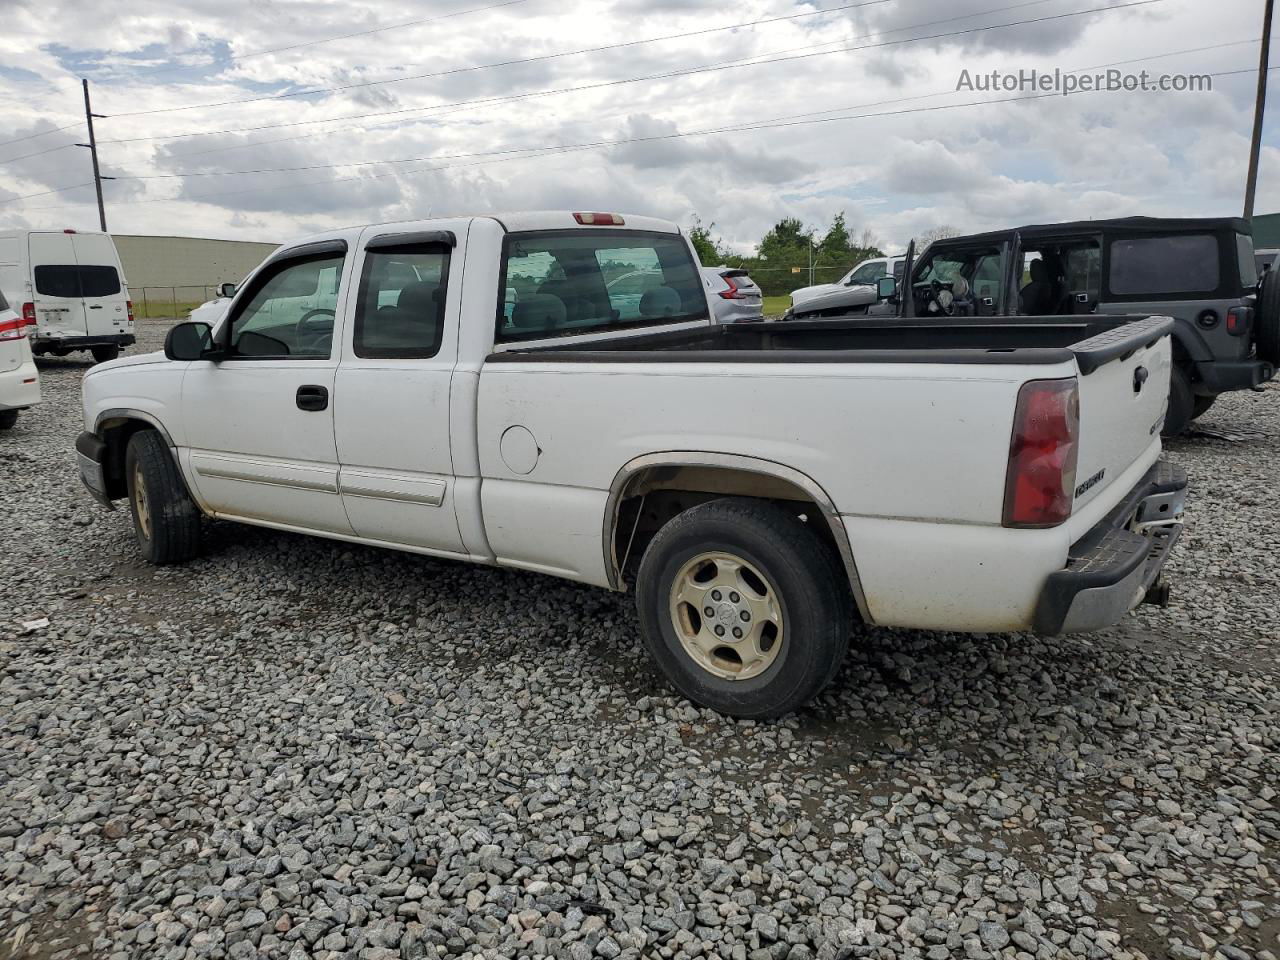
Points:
(165, 302)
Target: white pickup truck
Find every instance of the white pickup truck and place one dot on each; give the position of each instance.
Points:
(468, 388)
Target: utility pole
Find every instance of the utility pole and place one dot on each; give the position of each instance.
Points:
(93, 152)
(1264, 66)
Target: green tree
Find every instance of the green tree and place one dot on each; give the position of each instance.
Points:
(837, 243)
(705, 245)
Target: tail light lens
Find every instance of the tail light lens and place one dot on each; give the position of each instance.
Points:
(14, 329)
(128, 306)
(1040, 485)
(732, 293)
(29, 314)
(1239, 321)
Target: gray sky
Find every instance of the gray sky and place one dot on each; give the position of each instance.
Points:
(467, 132)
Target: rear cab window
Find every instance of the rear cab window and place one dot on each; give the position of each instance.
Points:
(561, 282)
(400, 309)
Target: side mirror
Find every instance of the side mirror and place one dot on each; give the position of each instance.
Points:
(226, 290)
(886, 287)
(189, 341)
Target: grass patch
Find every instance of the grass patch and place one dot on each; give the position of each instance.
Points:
(776, 306)
(153, 309)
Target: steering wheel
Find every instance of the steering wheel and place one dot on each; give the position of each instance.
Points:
(314, 331)
(938, 297)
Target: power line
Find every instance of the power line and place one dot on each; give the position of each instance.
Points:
(792, 120)
(506, 63)
(45, 193)
(688, 71)
(38, 153)
(357, 163)
(498, 63)
(42, 133)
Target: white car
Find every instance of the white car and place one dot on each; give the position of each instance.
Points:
(19, 381)
(73, 287)
(864, 274)
(735, 297)
(471, 388)
(211, 311)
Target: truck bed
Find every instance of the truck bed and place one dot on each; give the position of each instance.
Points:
(1090, 340)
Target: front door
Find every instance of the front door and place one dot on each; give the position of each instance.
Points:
(392, 412)
(55, 282)
(259, 423)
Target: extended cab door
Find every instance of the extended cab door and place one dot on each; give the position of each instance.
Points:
(392, 411)
(259, 442)
(55, 285)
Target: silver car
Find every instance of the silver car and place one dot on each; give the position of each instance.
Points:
(736, 297)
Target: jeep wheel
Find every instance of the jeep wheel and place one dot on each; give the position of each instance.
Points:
(1267, 320)
(1200, 406)
(104, 353)
(166, 521)
(1181, 404)
(744, 607)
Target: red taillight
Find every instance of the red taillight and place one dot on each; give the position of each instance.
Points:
(599, 219)
(128, 306)
(29, 314)
(12, 329)
(1040, 485)
(732, 293)
(1239, 321)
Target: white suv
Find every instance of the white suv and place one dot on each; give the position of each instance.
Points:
(19, 381)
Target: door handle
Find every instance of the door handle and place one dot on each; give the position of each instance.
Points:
(96, 306)
(312, 397)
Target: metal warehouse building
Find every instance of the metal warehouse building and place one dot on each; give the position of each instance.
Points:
(189, 264)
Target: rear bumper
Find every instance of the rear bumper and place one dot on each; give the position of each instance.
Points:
(1220, 376)
(20, 387)
(48, 344)
(1113, 567)
(91, 454)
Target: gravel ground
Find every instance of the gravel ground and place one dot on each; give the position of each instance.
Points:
(299, 748)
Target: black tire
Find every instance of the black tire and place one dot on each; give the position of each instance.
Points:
(1181, 404)
(797, 566)
(7, 419)
(1200, 406)
(166, 522)
(1267, 321)
(104, 353)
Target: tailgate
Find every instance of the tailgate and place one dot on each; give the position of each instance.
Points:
(1124, 391)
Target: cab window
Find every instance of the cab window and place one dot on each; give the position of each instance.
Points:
(290, 313)
(869, 272)
(400, 311)
(556, 283)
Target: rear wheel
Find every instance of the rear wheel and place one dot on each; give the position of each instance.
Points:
(744, 607)
(105, 352)
(7, 419)
(1181, 404)
(166, 521)
(1200, 406)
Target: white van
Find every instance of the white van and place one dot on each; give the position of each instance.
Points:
(19, 381)
(70, 288)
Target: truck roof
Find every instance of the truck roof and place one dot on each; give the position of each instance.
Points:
(1118, 225)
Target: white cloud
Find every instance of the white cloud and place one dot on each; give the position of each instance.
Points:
(976, 167)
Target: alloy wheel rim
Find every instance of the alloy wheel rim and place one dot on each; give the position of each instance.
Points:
(141, 503)
(727, 616)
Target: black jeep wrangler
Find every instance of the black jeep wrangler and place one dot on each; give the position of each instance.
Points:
(1201, 272)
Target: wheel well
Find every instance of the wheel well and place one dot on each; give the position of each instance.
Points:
(654, 496)
(115, 433)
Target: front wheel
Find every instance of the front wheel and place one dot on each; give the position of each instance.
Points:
(105, 352)
(744, 607)
(7, 419)
(166, 522)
